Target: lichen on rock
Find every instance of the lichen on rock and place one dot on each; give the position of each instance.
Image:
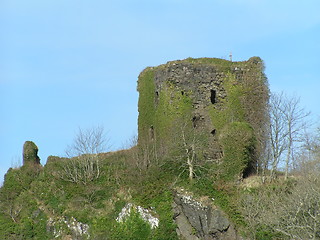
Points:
(145, 214)
(77, 229)
(197, 219)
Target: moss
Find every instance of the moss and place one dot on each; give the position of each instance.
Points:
(246, 91)
(146, 104)
(153, 191)
(238, 143)
(159, 113)
(232, 109)
(30, 153)
(171, 107)
(222, 64)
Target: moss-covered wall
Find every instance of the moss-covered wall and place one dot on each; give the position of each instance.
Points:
(214, 94)
(159, 110)
(30, 153)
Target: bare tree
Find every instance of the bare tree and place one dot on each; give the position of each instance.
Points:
(277, 132)
(309, 153)
(89, 141)
(139, 155)
(83, 165)
(254, 208)
(292, 210)
(191, 144)
(294, 116)
(287, 123)
(16, 162)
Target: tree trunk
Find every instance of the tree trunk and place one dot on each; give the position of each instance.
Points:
(190, 171)
(288, 160)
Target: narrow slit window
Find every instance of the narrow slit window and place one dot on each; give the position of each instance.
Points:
(194, 121)
(157, 97)
(213, 96)
(151, 132)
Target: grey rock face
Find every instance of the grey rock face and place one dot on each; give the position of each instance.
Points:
(78, 230)
(201, 220)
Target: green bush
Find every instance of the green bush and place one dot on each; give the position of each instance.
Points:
(134, 227)
(238, 144)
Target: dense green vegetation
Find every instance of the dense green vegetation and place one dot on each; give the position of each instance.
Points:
(36, 196)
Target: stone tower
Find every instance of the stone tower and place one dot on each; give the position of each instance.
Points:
(217, 95)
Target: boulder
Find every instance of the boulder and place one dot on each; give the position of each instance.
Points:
(201, 220)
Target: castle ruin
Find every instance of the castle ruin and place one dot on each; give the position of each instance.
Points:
(219, 97)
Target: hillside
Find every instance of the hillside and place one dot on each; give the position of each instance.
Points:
(193, 173)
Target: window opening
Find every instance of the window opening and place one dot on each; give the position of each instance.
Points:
(195, 121)
(151, 132)
(213, 96)
(213, 132)
(157, 97)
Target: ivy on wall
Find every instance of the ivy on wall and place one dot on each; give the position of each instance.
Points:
(241, 112)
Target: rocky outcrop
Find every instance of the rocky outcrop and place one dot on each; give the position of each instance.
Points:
(145, 214)
(77, 229)
(30, 153)
(201, 219)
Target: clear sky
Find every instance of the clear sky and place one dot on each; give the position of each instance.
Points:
(66, 64)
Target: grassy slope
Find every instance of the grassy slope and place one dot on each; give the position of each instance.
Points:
(41, 195)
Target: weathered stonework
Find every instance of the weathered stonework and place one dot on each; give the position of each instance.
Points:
(215, 94)
(196, 80)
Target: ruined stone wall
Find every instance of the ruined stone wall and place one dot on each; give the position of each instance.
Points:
(30, 153)
(196, 80)
(216, 93)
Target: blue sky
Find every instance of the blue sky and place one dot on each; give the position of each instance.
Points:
(75, 63)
